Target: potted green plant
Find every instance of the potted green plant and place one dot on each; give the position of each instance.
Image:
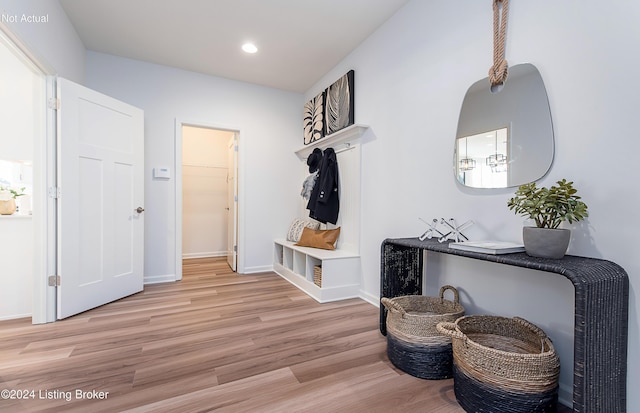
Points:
(8, 199)
(548, 207)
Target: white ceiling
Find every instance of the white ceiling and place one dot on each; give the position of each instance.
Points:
(298, 40)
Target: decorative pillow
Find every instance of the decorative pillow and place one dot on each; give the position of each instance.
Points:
(319, 238)
(296, 227)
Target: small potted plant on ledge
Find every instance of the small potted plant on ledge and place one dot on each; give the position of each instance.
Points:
(8, 199)
(548, 207)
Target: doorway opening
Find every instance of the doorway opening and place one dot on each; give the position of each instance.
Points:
(23, 176)
(208, 192)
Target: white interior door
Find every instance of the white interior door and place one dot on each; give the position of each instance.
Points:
(232, 203)
(101, 186)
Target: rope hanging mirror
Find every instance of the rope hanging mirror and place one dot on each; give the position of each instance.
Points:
(518, 110)
(500, 69)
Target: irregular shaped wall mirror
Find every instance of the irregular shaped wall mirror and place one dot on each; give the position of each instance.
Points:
(504, 138)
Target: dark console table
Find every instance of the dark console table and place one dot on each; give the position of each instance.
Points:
(601, 312)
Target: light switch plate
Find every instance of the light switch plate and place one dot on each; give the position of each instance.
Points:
(161, 173)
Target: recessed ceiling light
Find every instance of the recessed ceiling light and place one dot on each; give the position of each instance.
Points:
(249, 48)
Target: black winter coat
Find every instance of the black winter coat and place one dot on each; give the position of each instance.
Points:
(324, 203)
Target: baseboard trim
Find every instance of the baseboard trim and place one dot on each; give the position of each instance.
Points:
(211, 254)
(15, 316)
(156, 279)
(257, 269)
(371, 299)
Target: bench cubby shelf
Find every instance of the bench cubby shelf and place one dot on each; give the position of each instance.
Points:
(340, 270)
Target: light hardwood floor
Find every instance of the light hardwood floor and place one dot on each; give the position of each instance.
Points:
(215, 341)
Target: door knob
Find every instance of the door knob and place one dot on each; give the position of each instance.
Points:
(139, 210)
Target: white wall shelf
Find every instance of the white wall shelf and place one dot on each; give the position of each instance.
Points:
(340, 270)
(344, 137)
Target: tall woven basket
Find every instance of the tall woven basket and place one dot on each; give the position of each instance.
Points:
(502, 364)
(414, 344)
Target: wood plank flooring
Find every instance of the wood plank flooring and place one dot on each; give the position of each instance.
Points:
(215, 341)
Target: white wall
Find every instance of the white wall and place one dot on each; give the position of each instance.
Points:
(205, 199)
(270, 128)
(410, 79)
(53, 42)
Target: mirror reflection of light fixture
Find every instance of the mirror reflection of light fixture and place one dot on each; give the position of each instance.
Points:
(497, 161)
(466, 163)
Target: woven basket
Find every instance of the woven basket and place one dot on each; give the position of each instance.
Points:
(414, 344)
(317, 275)
(502, 364)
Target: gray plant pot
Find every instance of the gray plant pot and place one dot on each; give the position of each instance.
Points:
(546, 242)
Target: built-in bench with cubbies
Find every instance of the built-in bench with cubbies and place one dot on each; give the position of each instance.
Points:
(324, 275)
(337, 272)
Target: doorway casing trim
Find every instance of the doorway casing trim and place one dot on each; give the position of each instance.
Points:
(178, 188)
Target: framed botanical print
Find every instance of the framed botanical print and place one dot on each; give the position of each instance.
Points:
(313, 119)
(339, 104)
